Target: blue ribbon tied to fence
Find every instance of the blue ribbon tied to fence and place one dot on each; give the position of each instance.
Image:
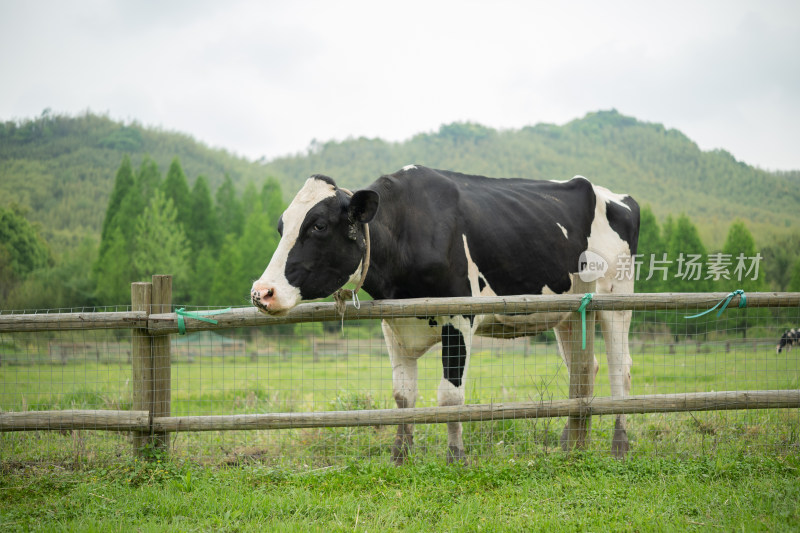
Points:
(724, 303)
(197, 315)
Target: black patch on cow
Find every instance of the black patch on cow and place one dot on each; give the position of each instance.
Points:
(454, 354)
(324, 256)
(481, 283)
(432, 322)
(625, 222)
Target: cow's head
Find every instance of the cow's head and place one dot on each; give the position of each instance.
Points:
(321, 249)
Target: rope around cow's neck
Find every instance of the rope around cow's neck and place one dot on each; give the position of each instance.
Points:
(341, 296)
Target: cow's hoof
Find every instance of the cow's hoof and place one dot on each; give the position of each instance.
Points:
(456, 455)
(402, 449)
(619, 444)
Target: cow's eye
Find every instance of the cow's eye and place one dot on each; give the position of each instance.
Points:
(319, 227)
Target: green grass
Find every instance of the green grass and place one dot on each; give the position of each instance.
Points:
(581, 492)
(281, 376)
(735, 470)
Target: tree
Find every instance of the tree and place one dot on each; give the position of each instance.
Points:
(67, 284)
(9, 277)
(746, 273)
(272, 200)
(229, 209)
(203, 228)
(161, 246)
(113, 271)
(229, 288)
(687, 255)
(123, 183)
(148, 179)
(176, 188)
(740, 243)
(257, 229)
(24, 249)
(203, 277)
(794, 280)
(651, 247)
(249, 197)
(779, 257)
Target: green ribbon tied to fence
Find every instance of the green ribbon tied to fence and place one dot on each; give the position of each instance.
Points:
(197, 315)
(724, 302)
(582, 310)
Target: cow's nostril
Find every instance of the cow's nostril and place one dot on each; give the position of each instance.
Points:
(270, 293)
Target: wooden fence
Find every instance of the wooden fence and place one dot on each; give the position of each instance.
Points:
(152, 320)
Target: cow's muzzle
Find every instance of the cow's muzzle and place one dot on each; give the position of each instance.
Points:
(263, 298)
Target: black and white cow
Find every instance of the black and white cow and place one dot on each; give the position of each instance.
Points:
(436, 233)
(789, 339)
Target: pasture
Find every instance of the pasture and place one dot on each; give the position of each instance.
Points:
(239, 373)
(728, 470)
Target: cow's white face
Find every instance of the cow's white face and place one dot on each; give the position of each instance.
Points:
(321, 247)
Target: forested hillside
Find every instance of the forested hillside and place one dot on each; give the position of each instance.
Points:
(60, 169)
(657, 166)
(88, 205)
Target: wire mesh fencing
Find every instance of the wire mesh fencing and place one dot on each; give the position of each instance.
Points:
(335, 366)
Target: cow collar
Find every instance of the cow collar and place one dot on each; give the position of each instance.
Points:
(342, 295)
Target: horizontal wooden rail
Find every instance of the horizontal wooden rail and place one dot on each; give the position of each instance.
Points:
(75, 419)
(662, 403)
(72, 321)
(164, 323)
(508, 305)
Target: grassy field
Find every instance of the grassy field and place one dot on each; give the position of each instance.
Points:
(214, 375)
(734, 470)
(581, 492)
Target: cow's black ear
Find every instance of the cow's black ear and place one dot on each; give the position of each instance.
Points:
(363, 206)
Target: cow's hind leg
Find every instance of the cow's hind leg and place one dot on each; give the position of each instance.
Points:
(456, 346)
(615, 326)
(406, 342)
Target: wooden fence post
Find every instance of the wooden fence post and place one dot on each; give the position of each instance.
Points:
(581, 369)
(150, 359)
(162, 370)
(141, 362)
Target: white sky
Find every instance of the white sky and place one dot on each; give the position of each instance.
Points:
(265, 78)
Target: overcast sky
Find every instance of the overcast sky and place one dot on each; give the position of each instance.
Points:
(265, 78)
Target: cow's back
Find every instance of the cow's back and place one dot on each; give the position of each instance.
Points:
(524, 236)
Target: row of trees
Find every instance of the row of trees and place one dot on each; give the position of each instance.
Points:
(214, 249)
(673, 258)
(213, 246)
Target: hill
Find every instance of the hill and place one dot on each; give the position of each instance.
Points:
(658, 166)
(61, 169)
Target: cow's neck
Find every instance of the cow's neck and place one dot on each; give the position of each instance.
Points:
(381, 282)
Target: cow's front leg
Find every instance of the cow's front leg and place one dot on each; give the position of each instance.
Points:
(615, 326)
(406, 340)
(456, 346)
